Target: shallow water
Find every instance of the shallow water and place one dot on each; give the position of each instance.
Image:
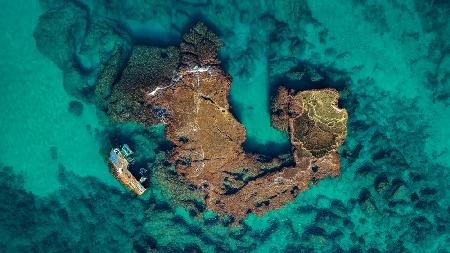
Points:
(389, 59)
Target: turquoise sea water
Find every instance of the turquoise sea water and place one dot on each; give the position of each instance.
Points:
(390, 60)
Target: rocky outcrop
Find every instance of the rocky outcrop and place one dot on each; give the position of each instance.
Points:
(317, 127)
(186, 89)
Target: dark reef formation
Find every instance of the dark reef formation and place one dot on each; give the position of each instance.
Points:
(186, 89)
(75, 108)
(77, 43)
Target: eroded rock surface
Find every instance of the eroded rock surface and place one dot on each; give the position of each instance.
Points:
(186, 89)
(317, 127)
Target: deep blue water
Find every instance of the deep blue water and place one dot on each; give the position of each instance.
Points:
(389, 59)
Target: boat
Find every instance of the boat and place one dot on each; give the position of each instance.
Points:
(120, 160)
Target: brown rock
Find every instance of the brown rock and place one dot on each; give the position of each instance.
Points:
(208, 139)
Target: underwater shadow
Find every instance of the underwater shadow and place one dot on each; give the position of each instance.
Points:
(329, 78)
(269, 149)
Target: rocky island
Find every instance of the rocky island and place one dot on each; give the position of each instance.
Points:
(186, 89)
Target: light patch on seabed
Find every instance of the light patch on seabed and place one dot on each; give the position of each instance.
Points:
(33, 110)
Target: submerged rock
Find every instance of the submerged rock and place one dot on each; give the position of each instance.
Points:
(75, 108)
(398, 192)
(381, 184)
(367, 202)
(53, 153)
